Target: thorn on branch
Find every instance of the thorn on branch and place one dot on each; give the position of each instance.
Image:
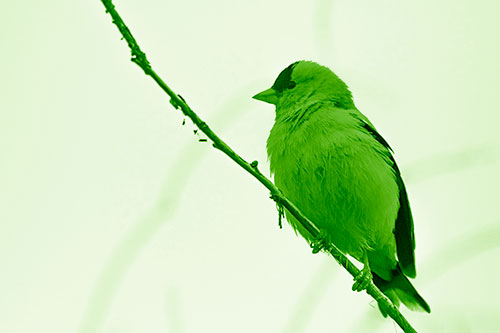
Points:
(254, 166)
(202, 125)
(175, 105)
(202, 140)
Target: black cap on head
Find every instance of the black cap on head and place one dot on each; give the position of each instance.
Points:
(284, 79)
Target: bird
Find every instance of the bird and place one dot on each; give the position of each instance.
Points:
(329, 160)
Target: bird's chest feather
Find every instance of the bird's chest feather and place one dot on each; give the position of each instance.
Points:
(336, 175)
(300, 151)
(309, 161)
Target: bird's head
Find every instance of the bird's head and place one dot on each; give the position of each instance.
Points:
(306, 82)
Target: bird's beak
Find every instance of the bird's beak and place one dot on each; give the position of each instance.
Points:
(269, 96)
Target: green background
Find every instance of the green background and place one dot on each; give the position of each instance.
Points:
(114, 218)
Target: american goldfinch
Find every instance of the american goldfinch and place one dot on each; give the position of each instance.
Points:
(331, 162)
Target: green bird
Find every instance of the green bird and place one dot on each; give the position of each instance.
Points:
(331, 162)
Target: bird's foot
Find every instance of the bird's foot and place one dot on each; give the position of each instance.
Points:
(320, 243)
(363, 279)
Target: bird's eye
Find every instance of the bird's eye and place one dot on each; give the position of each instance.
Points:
(291, 85)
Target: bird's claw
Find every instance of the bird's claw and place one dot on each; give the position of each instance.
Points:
(362, 280)
(320, 243)
(317, 246)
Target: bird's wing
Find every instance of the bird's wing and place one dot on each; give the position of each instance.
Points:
(405, 237)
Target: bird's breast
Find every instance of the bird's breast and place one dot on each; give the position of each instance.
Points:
(336, 175)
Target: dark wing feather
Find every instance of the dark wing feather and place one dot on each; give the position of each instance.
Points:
(405, 237)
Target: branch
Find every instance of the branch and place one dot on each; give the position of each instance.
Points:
(179, 103)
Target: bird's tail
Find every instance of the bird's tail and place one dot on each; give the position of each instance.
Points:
(400, 290)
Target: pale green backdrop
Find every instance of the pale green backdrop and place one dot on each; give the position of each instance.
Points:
(114, 218)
